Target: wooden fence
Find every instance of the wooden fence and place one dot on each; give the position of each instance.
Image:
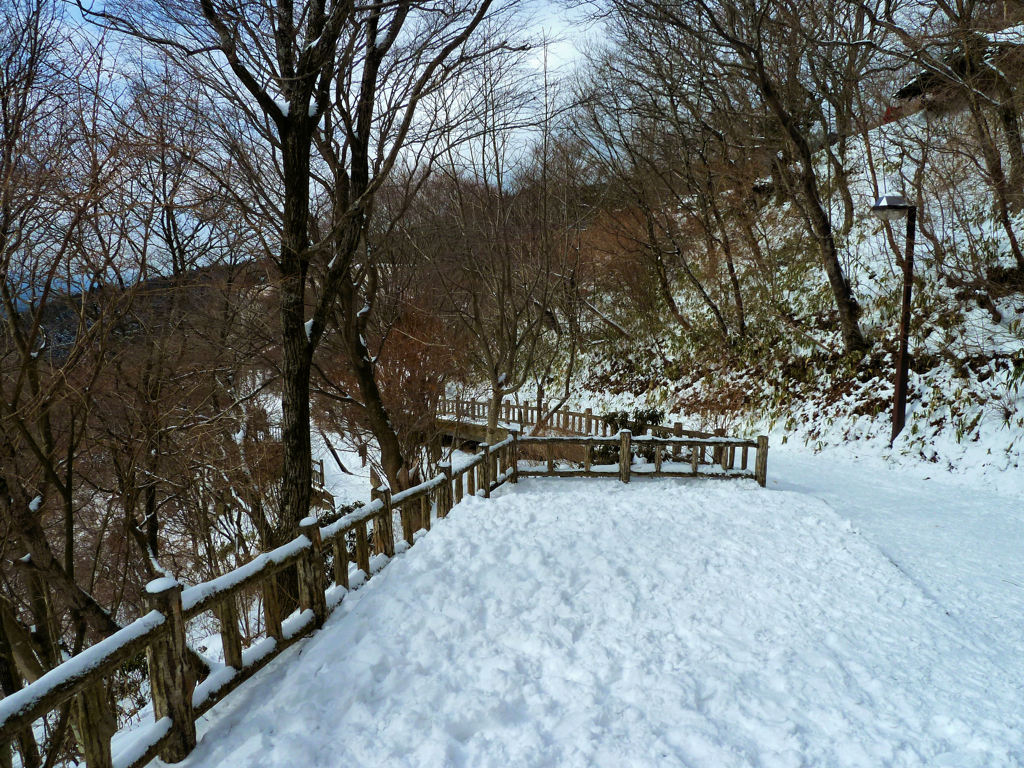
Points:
(675, 452)
(178, 701)
(718, 457)
(562, 419)
(161, 633)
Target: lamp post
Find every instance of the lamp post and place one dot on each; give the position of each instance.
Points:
(896, 207)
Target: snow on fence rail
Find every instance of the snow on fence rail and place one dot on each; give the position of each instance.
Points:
(177, 698)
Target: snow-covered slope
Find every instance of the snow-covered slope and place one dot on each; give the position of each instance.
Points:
(669, 623)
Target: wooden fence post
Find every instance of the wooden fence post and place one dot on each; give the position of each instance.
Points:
(311, 573)
(387, 521)
(94, 724)
(170, 672)
(625, 454)
(362, 549)
(230, 637)
(515, 457)
(405, 515)
(445, 499)
(341, 561)
(590, 420)
(272, 608)
(425, 511)
(761, 462)
(485, 481)
(677, 431)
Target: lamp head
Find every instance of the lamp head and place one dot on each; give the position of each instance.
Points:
(891, 207)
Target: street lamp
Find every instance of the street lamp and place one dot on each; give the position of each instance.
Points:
(892, 207)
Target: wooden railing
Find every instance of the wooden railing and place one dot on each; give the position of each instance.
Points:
(161, 633)
(719, 457)
(562, 419)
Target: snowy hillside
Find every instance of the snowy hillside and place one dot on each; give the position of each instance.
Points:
(966, 382)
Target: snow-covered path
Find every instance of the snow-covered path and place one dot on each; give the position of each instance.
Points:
(668, 623)
(959, 537)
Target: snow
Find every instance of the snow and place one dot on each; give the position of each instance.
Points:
(362, 513)
(297, 624)
(128, 747)
(346, 488)
(192, 596)
(1014, 35)
(156, 586)
(848, 615)
(957, 538)
(217, 679)
(429, 485)
(35, 504)
(77, 666)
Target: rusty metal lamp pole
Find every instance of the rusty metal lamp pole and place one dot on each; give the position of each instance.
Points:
(896, 207)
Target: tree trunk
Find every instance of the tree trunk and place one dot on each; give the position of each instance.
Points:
(10, 682)
(493, 413)
(1010, 122)
(997, 178)
(377, 419)
(853, 338)
(296, 473)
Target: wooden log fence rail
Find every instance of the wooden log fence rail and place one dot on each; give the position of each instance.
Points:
(178, 700)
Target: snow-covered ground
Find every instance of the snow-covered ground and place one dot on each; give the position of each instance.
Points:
(959, 537)
(848, 615)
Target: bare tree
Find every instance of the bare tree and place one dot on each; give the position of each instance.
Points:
(762, 48)
(497, 229)
(328, 92)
